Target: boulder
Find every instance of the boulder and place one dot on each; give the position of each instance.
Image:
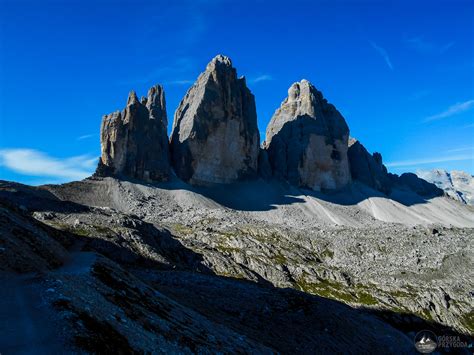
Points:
(306, 140)
(368, 168)
(215, 137)
(134, 142)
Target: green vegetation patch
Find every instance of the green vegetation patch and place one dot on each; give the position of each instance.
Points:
(468, 321)
(325, 288)
(181, 229)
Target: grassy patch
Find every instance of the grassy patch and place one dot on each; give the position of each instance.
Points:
(366, 298)
(227, 249)
(425, 314)
(468, 321)
(82, 231)
(326, 289)
(327, 253)
(400, 293)
(181, 229)
(279, 259)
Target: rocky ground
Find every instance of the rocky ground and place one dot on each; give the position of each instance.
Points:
(121, 265)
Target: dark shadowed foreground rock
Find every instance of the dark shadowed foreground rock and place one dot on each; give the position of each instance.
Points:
(368, 168)
(215, 137)
(306, 140)
(134, 142)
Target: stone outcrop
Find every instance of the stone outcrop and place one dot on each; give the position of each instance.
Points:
(307, 140)
(417, 185)
(134, 142)
(368, 168)
(215, 137)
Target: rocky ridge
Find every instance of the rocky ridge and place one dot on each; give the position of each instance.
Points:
(459, 185)
(368, 168)
(215, 139)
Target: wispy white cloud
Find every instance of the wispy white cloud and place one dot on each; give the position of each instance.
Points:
(462, 149)
(260, 78)
(421, 45)
(469, 125)
(452, 110)
(85, 136)
(32, 162)
(423, 161)
(383, 53)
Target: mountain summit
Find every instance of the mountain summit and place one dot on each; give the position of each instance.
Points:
(134, 142)
(306, 140)
(215, 137)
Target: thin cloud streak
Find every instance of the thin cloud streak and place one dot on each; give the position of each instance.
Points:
(32, 162)
(463, 149)
(85, 136)
(452, 110)
(406, 163)
(383, 53)
(421, 45)
(258, 79)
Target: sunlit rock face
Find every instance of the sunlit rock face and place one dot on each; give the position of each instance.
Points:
(307, 141)
(134, 142)
(215, 137)
(458, 185)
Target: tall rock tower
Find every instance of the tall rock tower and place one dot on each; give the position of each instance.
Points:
(215, 137)
(307, 139)
(134, 142)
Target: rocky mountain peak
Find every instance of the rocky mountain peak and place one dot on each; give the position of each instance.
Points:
(132, 98)
(156, 104)
(215, 137)
(307, 140)
(218, 61)
(302, 92)
(134, 142)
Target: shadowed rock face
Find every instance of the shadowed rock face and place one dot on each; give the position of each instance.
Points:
(368, 168)
(215, 137)
(307, 139)
(414, 183)
(134, 142)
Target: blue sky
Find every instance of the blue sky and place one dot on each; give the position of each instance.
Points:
(401, 72)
